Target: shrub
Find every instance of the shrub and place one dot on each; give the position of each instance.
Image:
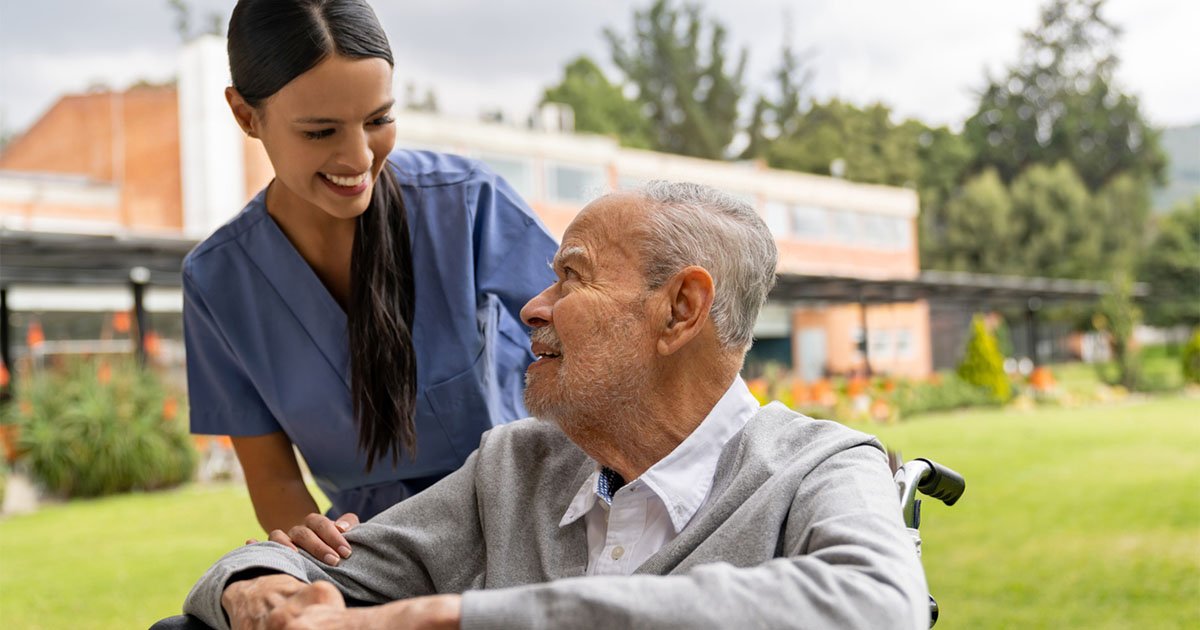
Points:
(983, 365)
(1191, 358)
(92, 429)
(941, 394)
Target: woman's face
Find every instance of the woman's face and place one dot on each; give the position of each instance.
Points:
(328, 134)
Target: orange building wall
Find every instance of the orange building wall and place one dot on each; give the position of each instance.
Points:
(842, 355)
(130, 139)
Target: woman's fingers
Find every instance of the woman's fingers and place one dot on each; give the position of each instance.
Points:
(330, 534)
(347, 521)
(278, 536)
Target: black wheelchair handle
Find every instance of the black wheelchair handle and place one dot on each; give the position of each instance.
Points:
(941, 483)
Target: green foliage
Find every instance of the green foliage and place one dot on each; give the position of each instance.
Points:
(1053, 232)
(599, 105)
(1190, 358)
(982, 210)
(982, 364)
(1172, 267)
(1118, 316)
(872, 148)
(946, 393)
(685, 88)
(89, 429)
(1058, 104)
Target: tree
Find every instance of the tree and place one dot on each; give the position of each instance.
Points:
(780, 117)
(600, 106)
(872, 148)
(679, 69)
(1119, 316)
(972, 231)
(983, 365)
(1059, 103)
(1053, 232)
(183, 21)
(1172, 267)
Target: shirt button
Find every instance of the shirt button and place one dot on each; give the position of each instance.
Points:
(617, 552)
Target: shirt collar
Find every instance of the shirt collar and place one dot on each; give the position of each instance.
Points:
(683, 478)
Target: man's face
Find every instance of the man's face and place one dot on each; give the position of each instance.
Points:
(592, 336)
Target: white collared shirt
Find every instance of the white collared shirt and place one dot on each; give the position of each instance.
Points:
(650, 511)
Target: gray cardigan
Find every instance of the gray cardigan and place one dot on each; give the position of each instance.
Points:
(802, 529)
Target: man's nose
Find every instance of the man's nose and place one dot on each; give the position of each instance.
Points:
(539, 311)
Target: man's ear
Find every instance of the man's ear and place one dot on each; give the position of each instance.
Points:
(243, 113)
(690, 293)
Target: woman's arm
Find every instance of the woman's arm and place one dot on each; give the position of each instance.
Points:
(283, 504)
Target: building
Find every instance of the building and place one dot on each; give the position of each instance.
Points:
(165, 165)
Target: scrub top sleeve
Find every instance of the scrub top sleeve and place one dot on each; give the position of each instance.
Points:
(221, 398)
(512, 247)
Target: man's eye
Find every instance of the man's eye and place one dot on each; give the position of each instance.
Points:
(570, 274)
(317, 135)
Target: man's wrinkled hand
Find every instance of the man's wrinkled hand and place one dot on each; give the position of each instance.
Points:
(249, 602)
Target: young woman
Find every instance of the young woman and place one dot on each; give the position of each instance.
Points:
(364, 307)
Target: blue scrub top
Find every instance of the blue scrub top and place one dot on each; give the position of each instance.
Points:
(268, 348)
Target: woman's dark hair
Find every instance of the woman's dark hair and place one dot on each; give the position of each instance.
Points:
(272, 42)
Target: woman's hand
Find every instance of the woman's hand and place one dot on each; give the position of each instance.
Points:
(319, 536)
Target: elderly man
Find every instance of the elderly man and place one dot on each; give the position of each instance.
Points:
(651, 490)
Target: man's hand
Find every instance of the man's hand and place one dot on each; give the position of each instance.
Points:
(278, 602)
(249, 602)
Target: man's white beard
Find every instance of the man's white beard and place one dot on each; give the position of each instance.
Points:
(603, 389)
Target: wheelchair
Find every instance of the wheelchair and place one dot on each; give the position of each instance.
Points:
(933, 480)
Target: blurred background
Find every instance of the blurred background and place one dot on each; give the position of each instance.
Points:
(988, 216)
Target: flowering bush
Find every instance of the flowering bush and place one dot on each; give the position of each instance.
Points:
(97, 428)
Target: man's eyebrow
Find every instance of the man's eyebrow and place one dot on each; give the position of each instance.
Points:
(337, 121)
(568, 254)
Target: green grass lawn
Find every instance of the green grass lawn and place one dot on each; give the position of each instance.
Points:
(1080, 518)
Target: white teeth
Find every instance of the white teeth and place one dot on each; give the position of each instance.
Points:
(348, 182)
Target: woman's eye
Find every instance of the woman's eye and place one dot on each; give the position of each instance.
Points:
(383, 120)
(317, 135)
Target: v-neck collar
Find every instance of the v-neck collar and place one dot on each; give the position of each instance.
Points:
(300, 288)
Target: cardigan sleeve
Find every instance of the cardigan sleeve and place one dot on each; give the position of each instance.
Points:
(396, 554)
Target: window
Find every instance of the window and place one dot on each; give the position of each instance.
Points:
(576, 184)
(880, 341)
(517, 171)
(810, 222)
(904, 345)
(777, 219)
(846, 227)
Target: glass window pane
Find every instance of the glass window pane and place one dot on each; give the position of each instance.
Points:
(575, 183)
(517, 171)
(775, 215)
(810, 222)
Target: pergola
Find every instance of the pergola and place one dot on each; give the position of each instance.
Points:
(137, 260)
(48, 258)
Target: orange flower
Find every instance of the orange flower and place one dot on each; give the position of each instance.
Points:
(800, 392)
(1041, 379)
(34, 337)
(856, 386)
(8, 441)
(103, 373)
(153, 343)
(4, 376)
(121, 321)
(170, 408)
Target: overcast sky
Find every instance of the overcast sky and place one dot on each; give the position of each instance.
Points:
(925, 58)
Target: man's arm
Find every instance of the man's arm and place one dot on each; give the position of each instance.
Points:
(428, 544)
(849, 564)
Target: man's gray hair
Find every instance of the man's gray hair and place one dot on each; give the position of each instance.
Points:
(700, 225)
